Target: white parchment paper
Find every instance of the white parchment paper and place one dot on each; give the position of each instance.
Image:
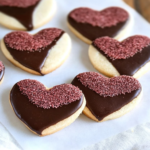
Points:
(7, 142)
(83, 131)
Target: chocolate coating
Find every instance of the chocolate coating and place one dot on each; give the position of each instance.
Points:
(33, 60)
(23, 15)
(130, 65)
(101, 106)
(93, 32)
(36, 118)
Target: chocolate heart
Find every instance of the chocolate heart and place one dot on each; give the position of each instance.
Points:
(93, 24)
(32, 50)
(2, 70)
(40, 108)
(21, 10)
(127, 56)
(106, 95)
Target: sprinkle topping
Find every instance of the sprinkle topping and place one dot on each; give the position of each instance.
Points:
(23, 41)
(121, 50)
(18, 3)
(1, 66)
(53, 98)
(106, 18)
(108, 86)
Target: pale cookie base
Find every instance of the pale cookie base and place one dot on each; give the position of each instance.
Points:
(42, 14)
(127, 27)
(61, 124)
(58, 54)
(102, 64)
(125, 109)
(56, 57)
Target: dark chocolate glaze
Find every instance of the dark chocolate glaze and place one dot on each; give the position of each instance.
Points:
(130, 65)
(33, 60)
(23, 15)
(36, 118)
(101, 106)
(2, 74)
(93, 32)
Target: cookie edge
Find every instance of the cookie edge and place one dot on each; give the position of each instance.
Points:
(20, 26)
(111, 71)
(122, 32)
(16, 63)
(124, 110)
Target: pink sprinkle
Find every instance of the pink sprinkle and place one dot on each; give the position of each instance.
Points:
(105, 18)
(23, 41)
(18, 3)
(53, 98)
(108, 86)
(1, 66)
(121, 50)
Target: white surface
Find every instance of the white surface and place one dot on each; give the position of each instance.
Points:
(134, 139)
(83, 131)
(7, 142)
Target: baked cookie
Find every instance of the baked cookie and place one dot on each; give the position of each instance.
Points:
(2, 71)
(38, 54)
(108, 98)
(89, 24)
(26, 14)
(45, 111)
(113, 58)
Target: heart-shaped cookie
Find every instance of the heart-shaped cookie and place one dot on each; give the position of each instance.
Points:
(26, 14)
(2, 71)
(129, 57)
(107, 98)
(89, 24)
(40, 53)
(45, 111)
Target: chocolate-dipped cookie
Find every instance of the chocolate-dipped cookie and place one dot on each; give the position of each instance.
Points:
(113, 58)
(2, 71)
(26, 14)
(45, 111)
(38, 54)
(89, 24)
(108, 98)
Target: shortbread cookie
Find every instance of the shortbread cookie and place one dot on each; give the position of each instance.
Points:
(2, 71)
(45, 111)
(89, 24)
(38, 54)
(107, 98)
(26, 14)
(129, 57)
